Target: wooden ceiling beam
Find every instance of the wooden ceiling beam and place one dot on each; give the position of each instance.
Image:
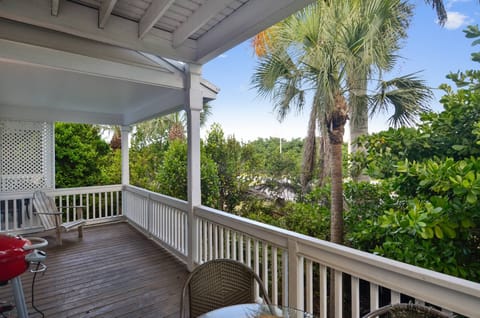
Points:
(245, 22)
(55, 5)
(104, 13)
(156, 10)
(82, 21)
(198, 19)
(21, 53)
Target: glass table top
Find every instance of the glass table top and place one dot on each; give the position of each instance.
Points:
(256, 311)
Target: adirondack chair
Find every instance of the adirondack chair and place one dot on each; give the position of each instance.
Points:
(51, 217)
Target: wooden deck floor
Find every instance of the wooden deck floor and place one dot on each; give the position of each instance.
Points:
(113, 272)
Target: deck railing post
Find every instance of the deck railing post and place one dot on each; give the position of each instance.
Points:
(193, 107)
(149, 216)
(295, 280)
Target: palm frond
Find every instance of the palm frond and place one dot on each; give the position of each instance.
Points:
(206, 112)
(440, 9)
(278, 78)
(408, 97)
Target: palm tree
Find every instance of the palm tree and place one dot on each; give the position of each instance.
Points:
(330, 48)
(371, 45)
(166, 128)
(319, 49)
(383, 25)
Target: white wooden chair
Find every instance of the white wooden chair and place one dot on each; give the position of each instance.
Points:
(51, 217)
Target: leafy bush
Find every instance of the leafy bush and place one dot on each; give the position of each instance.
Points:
(365, 203)
(80, 152)
(426, 209)
(428, 215)
(312, 215)
(172, 176)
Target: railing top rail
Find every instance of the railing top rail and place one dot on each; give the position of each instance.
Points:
(84, 190)
(61, 191)
(266, 232)
(15, 195)
(386, 272)
(170, 201)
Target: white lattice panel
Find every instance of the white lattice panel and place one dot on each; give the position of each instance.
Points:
(26, 156)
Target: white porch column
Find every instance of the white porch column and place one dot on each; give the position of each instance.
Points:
(125, 131)
(194, 104)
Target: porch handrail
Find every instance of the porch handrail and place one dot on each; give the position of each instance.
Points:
(286, 260)
(451, 293)
(85, 190)
(170, 201)
(160, 217)
(102, 204)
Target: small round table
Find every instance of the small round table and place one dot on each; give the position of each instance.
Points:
(256, 311)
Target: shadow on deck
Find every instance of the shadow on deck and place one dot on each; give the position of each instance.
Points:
(114, 271)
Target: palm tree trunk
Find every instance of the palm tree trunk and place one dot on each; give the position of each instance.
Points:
(358, 106)
(358, 110)
(336, 125)
(336, 226)
(308, 163)
(336, 128)
(324, 158)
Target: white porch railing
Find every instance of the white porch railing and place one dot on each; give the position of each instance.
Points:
(161, 217)
(102, 203)
(295, 267)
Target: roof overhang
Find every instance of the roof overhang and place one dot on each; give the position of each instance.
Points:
(116, 62)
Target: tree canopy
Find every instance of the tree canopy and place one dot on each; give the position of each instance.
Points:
(80, 155)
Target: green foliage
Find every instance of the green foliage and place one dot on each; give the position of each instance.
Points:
(154, 163)
(172, 176)
(365, 203)
(428, 211)
(431, 235)
(112, 168)
(79, 155)
(273, 157)
(310, 216)
(226, 153)
(386, 148)
(151, 132)
(262, 210)
(145, 164)
(436, 228)
(452, 133)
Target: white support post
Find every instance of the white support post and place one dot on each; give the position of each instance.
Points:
(125, 130)
(295, 276)
(194, 105)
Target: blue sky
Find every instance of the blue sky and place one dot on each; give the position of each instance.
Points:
(429, 48)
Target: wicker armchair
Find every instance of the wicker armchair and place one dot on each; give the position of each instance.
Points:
(406, 311)
(219, 283)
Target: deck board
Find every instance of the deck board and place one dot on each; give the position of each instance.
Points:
(114, 271)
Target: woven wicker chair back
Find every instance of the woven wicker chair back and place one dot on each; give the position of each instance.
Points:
(406, 311)
(220, 283)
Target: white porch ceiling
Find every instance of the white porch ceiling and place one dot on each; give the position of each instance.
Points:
(110, 61)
